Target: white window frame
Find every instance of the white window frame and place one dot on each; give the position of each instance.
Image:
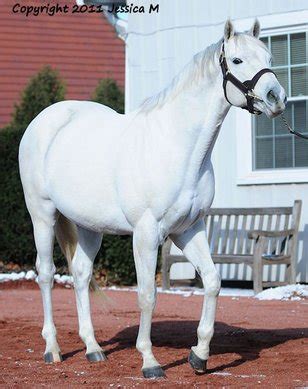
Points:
(277, 24)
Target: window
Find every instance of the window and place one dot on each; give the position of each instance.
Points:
(273, 146)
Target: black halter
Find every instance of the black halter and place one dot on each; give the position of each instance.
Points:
(245, 87)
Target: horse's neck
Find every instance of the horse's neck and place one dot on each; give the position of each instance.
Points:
(193, 118)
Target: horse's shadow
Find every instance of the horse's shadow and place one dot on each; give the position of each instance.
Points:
(179, 334)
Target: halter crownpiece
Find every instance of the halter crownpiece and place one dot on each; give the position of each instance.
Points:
(245, 87)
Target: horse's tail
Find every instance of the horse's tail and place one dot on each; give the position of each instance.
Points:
(66, 234)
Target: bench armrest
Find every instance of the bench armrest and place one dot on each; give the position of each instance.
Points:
(255, 234)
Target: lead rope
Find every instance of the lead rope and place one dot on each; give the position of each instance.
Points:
(293, 132)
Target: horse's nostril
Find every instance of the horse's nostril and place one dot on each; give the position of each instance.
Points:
(285, 100)
(271, 96)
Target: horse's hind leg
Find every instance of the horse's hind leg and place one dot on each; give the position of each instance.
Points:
(195, 247)
(43, 225)
(82, 266)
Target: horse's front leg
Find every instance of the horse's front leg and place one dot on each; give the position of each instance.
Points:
(145, 244)
(194, 245)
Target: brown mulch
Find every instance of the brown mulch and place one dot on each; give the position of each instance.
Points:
(256, 343)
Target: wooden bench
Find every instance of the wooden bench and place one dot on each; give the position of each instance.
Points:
(251, 236)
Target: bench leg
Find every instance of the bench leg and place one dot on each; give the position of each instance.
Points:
(291, 273)
(166, 274)
(257, 277)
(257, 265)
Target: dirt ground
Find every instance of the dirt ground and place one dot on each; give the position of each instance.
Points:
(256, 343)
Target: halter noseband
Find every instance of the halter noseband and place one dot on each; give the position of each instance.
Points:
(245, 87)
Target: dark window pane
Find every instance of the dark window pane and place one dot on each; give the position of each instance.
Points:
(301, 152)
(265, 41)
(264, 153)
(298, 48)
(279, 46)
(301, 125)
(263, 125)
(299, 81)
(280, 127)
(300, 116)
(282, 75)
(283, 151)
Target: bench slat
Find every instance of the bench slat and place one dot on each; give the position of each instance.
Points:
(234, 235)
(232, 259)
(217, 234)
(226, 235)
(277, 228)
(269, 228)
(242, 235)
(251, 211)
(211, 226)
(251, 241)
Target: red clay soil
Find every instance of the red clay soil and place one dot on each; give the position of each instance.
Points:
(256, 343)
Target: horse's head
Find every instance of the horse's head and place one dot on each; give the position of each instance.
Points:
(245, 57)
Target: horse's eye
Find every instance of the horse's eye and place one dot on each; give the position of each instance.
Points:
(237, 61)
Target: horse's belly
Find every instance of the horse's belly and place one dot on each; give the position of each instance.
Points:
(90, 206)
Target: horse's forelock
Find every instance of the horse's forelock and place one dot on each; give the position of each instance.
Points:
(245, 39)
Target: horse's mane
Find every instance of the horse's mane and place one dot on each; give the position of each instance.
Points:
(191, 73)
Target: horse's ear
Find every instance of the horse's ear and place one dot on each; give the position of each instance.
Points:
(229, 30)
(255, 29)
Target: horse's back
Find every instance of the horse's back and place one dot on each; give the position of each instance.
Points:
(47, 124)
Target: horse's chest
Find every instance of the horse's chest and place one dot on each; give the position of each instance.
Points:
(191, 204)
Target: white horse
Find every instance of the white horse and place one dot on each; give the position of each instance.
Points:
(89, 170)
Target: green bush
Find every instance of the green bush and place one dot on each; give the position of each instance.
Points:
(108, 93)
(16, 242)
(116, 258)
(16, 237)
(43, 89)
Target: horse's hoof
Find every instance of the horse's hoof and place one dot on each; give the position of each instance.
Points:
(96, 356)
(153, 372)
(52, 357)
(198, 364)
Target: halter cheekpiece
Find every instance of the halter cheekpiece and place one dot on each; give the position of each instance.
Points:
(245, 87)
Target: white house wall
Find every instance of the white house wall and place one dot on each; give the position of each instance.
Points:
(159, 45)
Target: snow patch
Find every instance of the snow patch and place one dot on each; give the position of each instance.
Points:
(187, 292)
(288, 292)
(12, 276)
(32, 276)
(63, 279)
